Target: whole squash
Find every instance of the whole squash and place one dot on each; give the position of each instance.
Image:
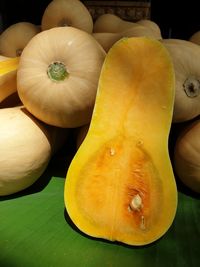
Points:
(14, 38)
(186, 57)
(153, 26)
(26, 146)
(187, 155)
(111, 23)
(72, 13)
(58, 76)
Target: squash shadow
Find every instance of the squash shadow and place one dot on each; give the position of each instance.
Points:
(36, 187)
(57, 167)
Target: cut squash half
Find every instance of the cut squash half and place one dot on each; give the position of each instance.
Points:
(120, 185)
(8, 72)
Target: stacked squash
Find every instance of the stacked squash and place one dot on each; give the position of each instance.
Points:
(121, 86)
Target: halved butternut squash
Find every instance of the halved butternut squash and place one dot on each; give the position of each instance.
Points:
(120, 184)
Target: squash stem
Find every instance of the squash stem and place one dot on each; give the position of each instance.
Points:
(57, 71)
(192, 87)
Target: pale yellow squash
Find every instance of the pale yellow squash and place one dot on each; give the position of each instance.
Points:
(186, 57)
(187, 156)
(111, 23)
(26, 146)
(58, 76)
(15, 38)
(67, 13)
(153, 26)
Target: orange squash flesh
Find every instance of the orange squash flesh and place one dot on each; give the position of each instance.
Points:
(120, 184)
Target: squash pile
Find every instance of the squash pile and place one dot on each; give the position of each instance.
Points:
(120, 87)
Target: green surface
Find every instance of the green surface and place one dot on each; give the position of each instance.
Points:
(36, 232)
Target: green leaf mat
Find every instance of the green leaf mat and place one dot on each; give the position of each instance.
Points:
(35, 231)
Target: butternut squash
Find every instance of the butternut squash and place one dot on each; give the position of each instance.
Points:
(72, 13)
(185, 56)
(111, 23)
(153, 26)
(26, 146)
(187, 156)
(120, 184)
(58, 75)
(16, 37)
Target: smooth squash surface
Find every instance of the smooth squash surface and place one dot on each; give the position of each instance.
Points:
(120, 184)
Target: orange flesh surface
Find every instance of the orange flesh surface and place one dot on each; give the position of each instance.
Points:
(120, 172)
(120, 184)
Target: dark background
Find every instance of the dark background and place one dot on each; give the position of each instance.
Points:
(177, 19)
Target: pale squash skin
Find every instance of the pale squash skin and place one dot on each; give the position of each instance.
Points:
(68, 102)
(8, 74)
(111, 23)
(26, 146)
(120, 185)
(15, 38)
(186, 57)
(187, 156)
(67, 13)
(107, 39)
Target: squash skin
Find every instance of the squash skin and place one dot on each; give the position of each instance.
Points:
(67, 103)
(111, 23)
(26, 146)
(152, 26)
(119, 164)
(107, 39)
(185, 56)
(186, 156)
